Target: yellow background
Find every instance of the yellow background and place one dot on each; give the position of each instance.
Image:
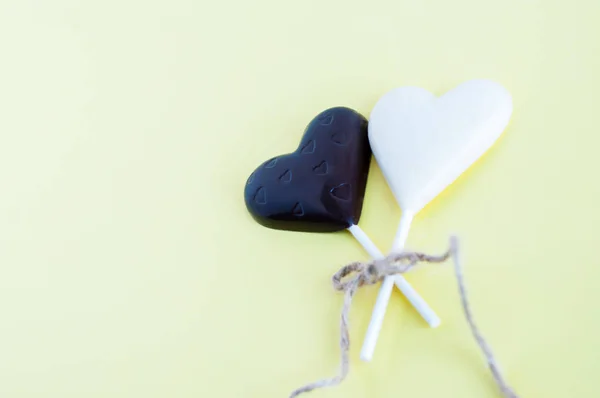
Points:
(129, 266)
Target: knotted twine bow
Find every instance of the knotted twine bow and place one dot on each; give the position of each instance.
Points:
(374, 271)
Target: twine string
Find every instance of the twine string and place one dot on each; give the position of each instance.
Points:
(357, 274)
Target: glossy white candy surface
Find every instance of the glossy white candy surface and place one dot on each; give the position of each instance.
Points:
(422, 143)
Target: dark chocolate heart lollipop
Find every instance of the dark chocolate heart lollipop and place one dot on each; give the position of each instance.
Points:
(319, 187)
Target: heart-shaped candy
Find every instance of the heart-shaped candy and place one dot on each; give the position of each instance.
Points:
(423, 143)
(319, 187)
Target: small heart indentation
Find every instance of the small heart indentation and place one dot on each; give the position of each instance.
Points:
(286, 176)
(342, 191)
(260, 196)
(271, 163)
(321, 168)
(309, 147)
(298, 210)
(339, 137)
(326, 120)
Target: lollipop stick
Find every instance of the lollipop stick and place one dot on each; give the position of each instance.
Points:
(399, 241)
(384, 294)
(365, 242)
(402, 231)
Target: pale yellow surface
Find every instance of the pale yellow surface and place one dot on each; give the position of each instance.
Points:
(129, 266)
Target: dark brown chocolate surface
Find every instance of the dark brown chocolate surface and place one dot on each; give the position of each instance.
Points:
(319, 187)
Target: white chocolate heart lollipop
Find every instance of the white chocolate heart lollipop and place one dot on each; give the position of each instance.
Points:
(422, 143)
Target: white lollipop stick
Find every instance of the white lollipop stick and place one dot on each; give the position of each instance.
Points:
(422, 143)
(422, 307)
(386, 290)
